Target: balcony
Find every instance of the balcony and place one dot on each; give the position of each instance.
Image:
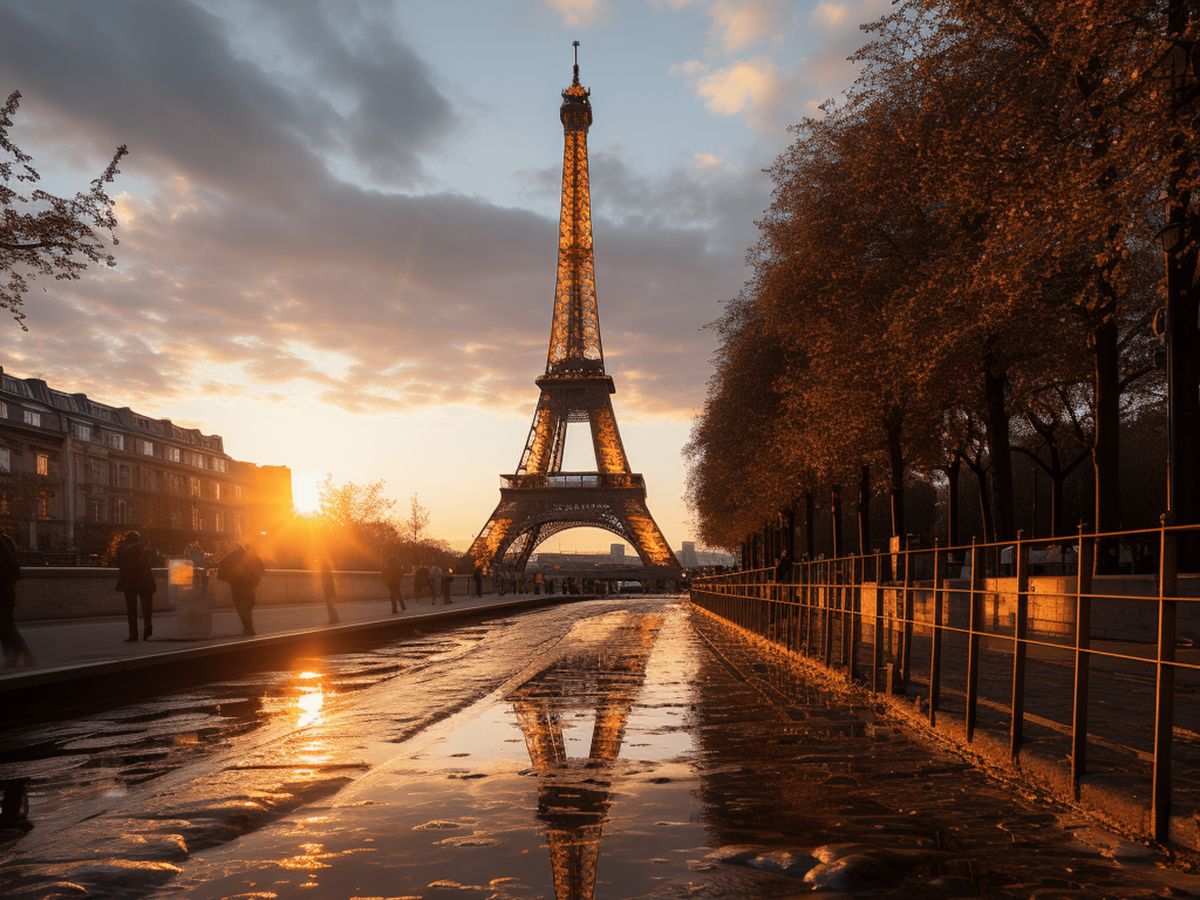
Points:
(573, 480)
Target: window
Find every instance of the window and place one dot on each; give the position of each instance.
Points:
(123, 476)
(97, 511)
(172, 453)
(217, 492)
(43, 505)
(120, 511)
(147, 448)
(3, 410)
(176, 520)
(116, 441)
(148, 479)
(33, 418)
(176, 484)
(237, 492)
(197, 520)
(42, 463)
(237, 525)
(219, 464)
(219, 521)
(83, 432)
(5, 460)
(193, 487)
(99, 473)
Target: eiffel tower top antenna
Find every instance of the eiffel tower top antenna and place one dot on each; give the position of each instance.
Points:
(575, 80)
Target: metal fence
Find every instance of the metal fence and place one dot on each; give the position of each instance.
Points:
(1105, 622)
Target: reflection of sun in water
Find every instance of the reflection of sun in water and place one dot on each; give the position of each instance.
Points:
(310, 700)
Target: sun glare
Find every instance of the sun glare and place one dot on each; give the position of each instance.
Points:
(306, 494)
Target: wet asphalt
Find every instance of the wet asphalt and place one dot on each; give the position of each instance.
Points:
(599, 749)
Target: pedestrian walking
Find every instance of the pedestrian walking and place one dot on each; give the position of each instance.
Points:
(199, 567)
(537, 582)
(393, 580)
(135, 579)
(16, 651)
(435, 583)
(783, 568)
(446, 583)
(421, 582)
(242, 569)
(477, 576)
(329, 590)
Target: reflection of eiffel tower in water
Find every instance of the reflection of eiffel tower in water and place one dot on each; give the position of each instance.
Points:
(574, 795)
(540, 499)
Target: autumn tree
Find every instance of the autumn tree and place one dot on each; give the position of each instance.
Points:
(43, 234)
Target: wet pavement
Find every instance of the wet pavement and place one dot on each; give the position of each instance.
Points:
(608, 748)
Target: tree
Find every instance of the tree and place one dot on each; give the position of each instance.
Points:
(352, 504)
(42, 233)
(413, 528)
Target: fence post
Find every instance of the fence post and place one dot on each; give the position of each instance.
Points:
(858, 568)
(1016, 726)
(1083, 659)
(973, 602)
(877, 643)
(1164, 685)
(827, 613)
(906, 617)
(935, 653)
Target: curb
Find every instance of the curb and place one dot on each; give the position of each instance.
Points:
(52, 691)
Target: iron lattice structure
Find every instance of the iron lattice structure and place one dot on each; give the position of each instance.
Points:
(540, 500)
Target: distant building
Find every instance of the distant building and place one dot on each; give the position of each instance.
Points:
(687, 555)
(73, 472)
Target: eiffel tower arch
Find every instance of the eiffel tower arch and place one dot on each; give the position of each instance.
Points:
(539, 500)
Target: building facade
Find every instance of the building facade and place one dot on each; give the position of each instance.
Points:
(75, 472)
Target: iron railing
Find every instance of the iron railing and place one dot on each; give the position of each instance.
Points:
(1105, 622)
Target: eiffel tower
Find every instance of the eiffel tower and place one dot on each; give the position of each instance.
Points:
(539, 499)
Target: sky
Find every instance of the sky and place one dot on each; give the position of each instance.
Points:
(338, 221)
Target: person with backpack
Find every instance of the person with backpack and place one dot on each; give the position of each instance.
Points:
(135, 580)
(242, 569)
(16, 651)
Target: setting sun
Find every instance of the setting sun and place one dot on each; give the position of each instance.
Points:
(306, 493)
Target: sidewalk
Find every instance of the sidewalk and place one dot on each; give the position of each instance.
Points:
(64, 642)
(82, 661)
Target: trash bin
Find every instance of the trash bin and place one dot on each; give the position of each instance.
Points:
(185, 591)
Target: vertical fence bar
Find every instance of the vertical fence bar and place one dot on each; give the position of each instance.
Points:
(810, 599)
(826, 617)
(1083, 659)
(1016, 725)
(1164, 686)
(877, 643)
(858, 565)
(906, 617)
(935, 643)
(973, 623)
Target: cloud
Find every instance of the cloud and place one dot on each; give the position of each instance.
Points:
(751, 86)
(739, 24)
(578, 12)
(261, 256)
(828, 15)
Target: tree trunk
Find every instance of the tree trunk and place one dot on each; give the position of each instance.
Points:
(864, 511)
(896, 465)
(952, 502)
(835, 518)
(1105, 442)
(789, 530)
(985, 508)
(995, 380)
(810, 545)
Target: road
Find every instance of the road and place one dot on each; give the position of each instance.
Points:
(608, 748)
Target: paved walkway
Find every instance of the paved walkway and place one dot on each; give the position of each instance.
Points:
(70, 642)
